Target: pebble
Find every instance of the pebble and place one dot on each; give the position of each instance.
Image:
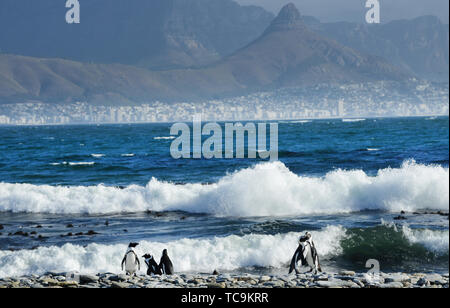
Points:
(345, 279)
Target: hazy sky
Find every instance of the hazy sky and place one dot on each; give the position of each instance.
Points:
(354, 10)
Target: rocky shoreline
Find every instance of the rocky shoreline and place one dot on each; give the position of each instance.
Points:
(344, 279)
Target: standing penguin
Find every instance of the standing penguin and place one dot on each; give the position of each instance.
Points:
(131, 260)
(152, 266)
(306, 254)
(165, 265)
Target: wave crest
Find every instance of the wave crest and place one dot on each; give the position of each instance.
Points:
(268, 189)
(352, 247)
(188, 255)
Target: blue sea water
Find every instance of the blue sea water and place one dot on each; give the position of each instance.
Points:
(344, 181)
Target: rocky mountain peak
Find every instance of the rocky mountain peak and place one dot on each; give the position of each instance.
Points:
(288, 18)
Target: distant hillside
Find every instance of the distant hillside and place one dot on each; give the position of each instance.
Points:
(287, 54)
(420, 46)
(155, 34)
(290, 54)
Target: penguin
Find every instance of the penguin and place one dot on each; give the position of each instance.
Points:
(165, 265)
(153, 267)
(306, 254)
(131, 260)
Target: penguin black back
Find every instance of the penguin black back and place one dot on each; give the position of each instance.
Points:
(166, 265)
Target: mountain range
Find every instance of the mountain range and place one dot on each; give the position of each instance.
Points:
(199, 49)
(155, 34)
(420, 45)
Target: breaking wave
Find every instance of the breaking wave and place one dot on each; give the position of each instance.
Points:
(268, 189)
(334, 244)
(188, 255)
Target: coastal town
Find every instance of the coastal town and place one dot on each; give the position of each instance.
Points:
(377, 99)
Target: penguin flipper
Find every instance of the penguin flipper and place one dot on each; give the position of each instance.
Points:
(315, 256)
(294, 261)
(123, 261)
(138, 263)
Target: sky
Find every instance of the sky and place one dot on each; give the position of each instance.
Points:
(354, 10)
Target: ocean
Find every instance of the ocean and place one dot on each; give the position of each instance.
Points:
(73, 197)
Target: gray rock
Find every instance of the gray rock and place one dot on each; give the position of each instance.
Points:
(423, 282)
(336, 283)
(120, 285)
(221, 285)
(120, 277)
(84, 279)
(397, 278)
(392, 285)
(436, 279)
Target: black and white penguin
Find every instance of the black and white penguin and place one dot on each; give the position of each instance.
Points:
(152, 266)
(165, 265)
(131, 260)
(306, 254)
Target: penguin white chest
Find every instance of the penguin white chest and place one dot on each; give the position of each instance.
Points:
(131, 263)
(307, 254)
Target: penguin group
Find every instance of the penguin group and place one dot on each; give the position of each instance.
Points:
(131, 263)
(305, 255)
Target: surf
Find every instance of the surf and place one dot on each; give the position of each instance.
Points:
(267, 189)
(392, 246)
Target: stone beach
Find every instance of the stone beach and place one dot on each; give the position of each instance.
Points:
(344, 279)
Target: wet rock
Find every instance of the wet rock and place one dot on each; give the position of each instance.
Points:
(85, 279)
(120, 277)
(400, 218)
(436, 279)
(392, 285)
(336, 283)
(347, 273)
(21, 233)
(397, 278)
(120, 285)
(221, 285)
(274, 284)
(91, 233)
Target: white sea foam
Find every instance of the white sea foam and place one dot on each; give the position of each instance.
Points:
(372, 149)
(87, 163)
(128, 155)
(165, 138)
(433, 240)
(98, 155)
(59, 164)
(436, 241)
(188, 255)
(352, 120)
(268, 189)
